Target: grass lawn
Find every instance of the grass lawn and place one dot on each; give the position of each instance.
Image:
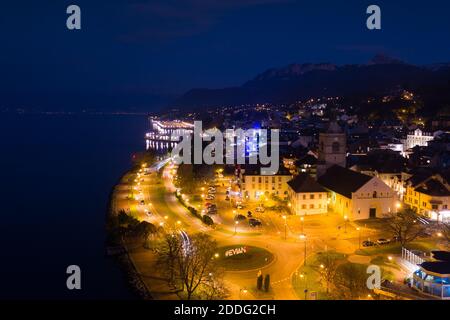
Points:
(254, 258)
(396, 248)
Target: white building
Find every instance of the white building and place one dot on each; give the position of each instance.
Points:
(306, 196)
(358, 196)
(418, 138)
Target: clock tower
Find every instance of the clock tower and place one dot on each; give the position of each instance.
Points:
(332, 148)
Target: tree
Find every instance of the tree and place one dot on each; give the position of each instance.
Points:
(351, 280)
(191, 265)
(144, 229)
(405, 226)
(196, 262)
(259, 282)
(185, 178)
(328, 264)
(207, 220)
(266, 283)
(168, 255)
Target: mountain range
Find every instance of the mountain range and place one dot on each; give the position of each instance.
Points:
(296, 82)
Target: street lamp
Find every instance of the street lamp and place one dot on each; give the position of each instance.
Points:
(285, 227)
(303, 237)
(359, 237)
(303, 222)
(242, 291)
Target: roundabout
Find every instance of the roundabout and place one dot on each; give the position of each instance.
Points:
(243, 257)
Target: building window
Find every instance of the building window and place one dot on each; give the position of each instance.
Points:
(434, 207)
(335, 147)
(311, 206)
(311, 196)
(304, 197)
(374, 194)
(320, 196)
(303, 206)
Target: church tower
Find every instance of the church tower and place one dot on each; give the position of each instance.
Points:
(332, 148)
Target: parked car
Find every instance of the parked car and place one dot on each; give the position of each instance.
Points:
(254, 222)
(239, 217)
(212, 211)
(260, 209)
(382, 241)
(368, 243)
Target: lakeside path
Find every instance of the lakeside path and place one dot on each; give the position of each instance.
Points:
(165, 209)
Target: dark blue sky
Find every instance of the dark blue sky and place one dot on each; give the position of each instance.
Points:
(138, 48)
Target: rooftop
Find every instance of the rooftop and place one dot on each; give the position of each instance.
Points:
(305, 183)
(343, 181)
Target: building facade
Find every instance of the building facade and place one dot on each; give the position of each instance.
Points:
(429, 196)
(306, 196)
(256, 187)
(418, 138)
(358, 196)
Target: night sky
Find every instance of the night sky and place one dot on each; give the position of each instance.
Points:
(130, 50)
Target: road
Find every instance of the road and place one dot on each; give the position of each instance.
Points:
(158, 194)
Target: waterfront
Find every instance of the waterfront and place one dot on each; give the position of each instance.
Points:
(58, 171)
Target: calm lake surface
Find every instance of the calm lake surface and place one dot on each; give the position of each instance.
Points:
(57, 172)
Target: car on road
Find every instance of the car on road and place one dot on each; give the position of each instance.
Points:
(368, 243)
(254, 222)
(259, 209)
(383, 241)
(239, 206)
(239, 217)
(210, 197)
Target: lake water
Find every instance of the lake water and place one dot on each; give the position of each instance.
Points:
(57, 172)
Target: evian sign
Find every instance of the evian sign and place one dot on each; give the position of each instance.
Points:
(235, 251)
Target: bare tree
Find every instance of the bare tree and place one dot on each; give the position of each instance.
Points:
(196, 262)
(214, 288)
(328, 264)
(405, 226)
(168, 254)
(191, 265)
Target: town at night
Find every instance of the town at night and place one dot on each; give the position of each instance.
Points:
(214, 159)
